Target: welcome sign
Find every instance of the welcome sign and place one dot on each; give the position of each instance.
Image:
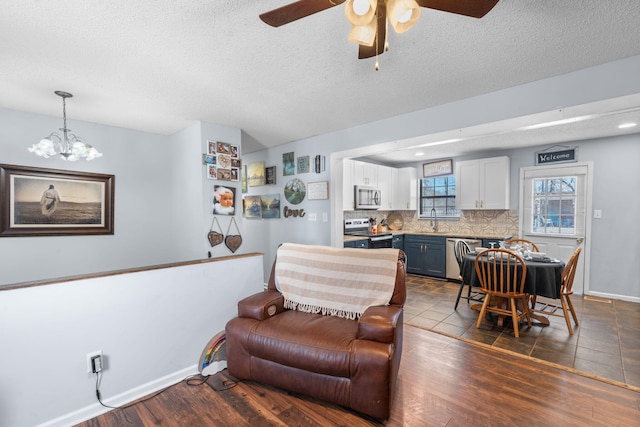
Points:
(559, 156)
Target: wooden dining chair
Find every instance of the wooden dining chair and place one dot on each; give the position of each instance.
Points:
(566, 290)
(502, 275)
(460, 249)
(534, 247)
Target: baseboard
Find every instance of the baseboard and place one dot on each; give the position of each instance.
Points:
(614, 296)
(96, 409)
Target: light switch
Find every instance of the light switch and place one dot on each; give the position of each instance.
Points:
(312, 217)
(597, 213)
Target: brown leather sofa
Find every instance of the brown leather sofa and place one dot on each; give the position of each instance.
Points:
(353, 363)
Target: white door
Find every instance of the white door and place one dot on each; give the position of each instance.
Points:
(554, 205)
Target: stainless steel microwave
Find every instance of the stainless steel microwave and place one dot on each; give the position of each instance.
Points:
(367, 197)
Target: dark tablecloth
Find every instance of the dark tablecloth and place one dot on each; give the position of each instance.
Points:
(543, 278)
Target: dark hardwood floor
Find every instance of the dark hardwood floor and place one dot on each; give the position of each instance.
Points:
(443, 381)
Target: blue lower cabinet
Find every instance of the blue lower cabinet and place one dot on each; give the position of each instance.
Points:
(362, 244)
(398, 242)
(426, 255)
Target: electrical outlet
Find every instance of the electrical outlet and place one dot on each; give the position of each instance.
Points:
(95, 362)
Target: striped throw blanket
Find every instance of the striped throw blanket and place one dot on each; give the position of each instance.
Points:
(335, 281)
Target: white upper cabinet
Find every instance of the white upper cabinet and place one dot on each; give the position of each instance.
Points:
(386, 186)
(404, 189)
(398, 187)
(483, 184)
(365, 174)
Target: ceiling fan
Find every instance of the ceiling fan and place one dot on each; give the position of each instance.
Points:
(369, 17)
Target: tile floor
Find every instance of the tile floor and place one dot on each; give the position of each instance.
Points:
(606, 343)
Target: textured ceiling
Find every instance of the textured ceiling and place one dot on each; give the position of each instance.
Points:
(160, 65)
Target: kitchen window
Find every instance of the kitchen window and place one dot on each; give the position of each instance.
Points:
(438, 193)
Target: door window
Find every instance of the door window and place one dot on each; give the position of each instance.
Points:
(554, 205)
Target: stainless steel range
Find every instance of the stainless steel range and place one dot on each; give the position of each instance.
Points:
(362, 227)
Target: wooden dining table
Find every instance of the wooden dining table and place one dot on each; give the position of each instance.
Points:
(544, 278)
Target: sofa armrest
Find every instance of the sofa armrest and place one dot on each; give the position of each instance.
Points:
(379, 323)
(262, 305)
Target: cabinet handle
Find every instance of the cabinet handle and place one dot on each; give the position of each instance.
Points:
(481, 203)
(476, 203)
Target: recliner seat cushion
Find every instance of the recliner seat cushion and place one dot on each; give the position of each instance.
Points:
(310, 342)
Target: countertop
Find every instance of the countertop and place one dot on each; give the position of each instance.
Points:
(403, 232)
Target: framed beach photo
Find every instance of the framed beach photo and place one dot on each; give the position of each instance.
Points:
(51, 202)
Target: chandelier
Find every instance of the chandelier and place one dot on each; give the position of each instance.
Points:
(68, 146)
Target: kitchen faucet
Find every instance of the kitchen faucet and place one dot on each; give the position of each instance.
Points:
(434, 219)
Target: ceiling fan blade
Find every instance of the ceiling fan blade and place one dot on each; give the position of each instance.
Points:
(473, 8)
(381, 35)
(294, 11)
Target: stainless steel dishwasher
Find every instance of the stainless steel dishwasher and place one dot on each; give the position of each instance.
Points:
(453, 270)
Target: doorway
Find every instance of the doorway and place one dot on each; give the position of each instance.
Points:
(555, 202)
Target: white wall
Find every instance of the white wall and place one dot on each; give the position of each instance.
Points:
(152, 327)
(162, 198)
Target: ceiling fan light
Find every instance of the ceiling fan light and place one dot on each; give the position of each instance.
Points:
(360, 12)
(402, 14)
(364, 34)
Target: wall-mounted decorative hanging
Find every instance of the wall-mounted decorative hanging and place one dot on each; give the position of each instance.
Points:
(224, 200)
(256, 174)
(318, 190)
(233, 241)
(442, 167)
(215, 237)
(303, 164)
(51, 202)
(251, 207)
(319, 163)
(270, 205)
(288, 164)
(295, 191)
(557, 154)
(271, 175)
(222, 161)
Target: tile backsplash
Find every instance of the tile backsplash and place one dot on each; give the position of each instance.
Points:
(485, 223)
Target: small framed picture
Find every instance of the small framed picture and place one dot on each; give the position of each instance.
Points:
(303, 164)
(442, 167)
(252, 207)
(318, 190)
(255, 174)
(234, 151)
(270, 175)
(224, 200)
(236, 163)
(211, 147)
(288, 164)
(223, 148)
(208, 159)
(235, 174)
(212, 172)
(224, 174)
